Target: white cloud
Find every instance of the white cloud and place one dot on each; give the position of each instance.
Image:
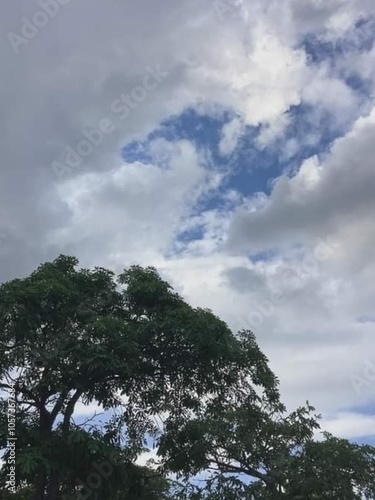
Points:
(136, 209)
(272, 131)
(350, 425)
(230, 136)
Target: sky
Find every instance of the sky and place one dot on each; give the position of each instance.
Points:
(230, 144)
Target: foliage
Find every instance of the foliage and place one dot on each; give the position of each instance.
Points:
(131, 345)
(249, 449)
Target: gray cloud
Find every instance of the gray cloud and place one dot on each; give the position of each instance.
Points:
(321, 199)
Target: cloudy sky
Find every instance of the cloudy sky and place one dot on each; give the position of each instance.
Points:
(229, 143)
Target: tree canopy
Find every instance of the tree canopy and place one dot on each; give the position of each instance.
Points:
(166, 375)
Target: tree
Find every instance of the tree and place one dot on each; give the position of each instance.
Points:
(251, 449)
(131, 345)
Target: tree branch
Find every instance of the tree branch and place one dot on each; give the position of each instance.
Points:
(70, 409)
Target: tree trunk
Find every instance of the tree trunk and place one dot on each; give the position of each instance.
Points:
(40, 486)
(53, 492)
(44, 434)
